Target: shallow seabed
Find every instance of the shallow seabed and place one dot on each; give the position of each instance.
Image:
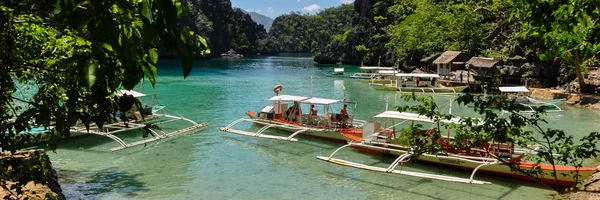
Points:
(210, 164)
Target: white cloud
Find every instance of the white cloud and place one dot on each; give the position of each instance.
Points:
(271, 10)
(312, 8)
(346, 1)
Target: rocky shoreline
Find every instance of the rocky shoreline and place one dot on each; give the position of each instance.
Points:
(576, 99)
(29, 166)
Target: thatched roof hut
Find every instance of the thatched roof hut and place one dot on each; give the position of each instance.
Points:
(450, 61)
(480, 62)
(449, 57)
(484, 65)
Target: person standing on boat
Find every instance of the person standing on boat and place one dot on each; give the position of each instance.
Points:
(418, 80)
(461, 76)
(344, 115)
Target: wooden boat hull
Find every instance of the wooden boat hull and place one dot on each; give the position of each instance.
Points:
(383, 87)
(499, 169)
(326, 134)
(456, 88)
(430, 90)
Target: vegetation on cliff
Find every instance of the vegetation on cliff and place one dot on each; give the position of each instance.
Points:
(401, 32)
(296, 32)
(225, 27)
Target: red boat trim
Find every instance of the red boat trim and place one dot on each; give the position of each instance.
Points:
(356, 138)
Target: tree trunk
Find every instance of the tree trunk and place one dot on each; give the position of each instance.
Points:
(580, 79)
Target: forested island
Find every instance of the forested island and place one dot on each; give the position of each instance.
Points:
(400, 33)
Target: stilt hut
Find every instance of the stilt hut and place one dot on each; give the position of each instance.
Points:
(450, 61)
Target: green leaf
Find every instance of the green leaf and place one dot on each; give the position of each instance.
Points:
(153, 55)
(187, 63)
(91, 73)
(146, 11)
(107, 46)
(179, 9)
(150, 71)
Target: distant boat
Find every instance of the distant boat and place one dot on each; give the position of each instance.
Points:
(231, 53)
(418, 83)
(338, 72)
(369, 72)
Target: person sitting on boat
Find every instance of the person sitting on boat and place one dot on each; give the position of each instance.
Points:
(313, 111)
(313, 114)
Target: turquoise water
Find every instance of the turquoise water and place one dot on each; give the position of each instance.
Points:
(210, 164)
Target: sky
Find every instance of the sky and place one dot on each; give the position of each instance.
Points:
(274, 8)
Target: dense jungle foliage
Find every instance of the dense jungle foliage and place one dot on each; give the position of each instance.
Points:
(401, 32)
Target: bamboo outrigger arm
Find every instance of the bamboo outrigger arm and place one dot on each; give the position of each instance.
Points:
(260, 132)
(403, 158)
(122, 127)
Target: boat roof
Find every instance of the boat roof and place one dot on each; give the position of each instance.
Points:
(419, 75)
(379, 68)
(338, 69)
(514, 89)
(387, 72)
(320, 101)
(413, 117)
(130, 92)
(287, 98)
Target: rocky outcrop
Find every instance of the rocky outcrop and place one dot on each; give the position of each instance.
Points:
(322, 58)
(592, 81)
(30, 172)
(590, 189)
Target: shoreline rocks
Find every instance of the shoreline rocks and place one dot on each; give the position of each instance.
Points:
(575, 99)
(29, 165)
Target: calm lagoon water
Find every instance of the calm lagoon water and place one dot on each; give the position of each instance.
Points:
(210, 164)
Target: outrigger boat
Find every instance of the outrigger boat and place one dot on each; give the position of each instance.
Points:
(529, 104)
(151, 115)
(383, 141)
(417, 83)
(279, 116)
(369, 72)
(338, 72)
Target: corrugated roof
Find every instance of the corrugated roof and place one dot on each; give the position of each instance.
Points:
(320, 101)
(419, 75)
(130, 92)
(447, 57)
(413, 117)
(514, 89)
(287, 98)
(483, 62)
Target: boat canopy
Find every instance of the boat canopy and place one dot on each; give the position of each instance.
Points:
(392, 72)
(419, 75)
(130, 92)
(338, 69)
(378, 68)
(287, 98)
(413, 117)
(514, 89)
(320, 101)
